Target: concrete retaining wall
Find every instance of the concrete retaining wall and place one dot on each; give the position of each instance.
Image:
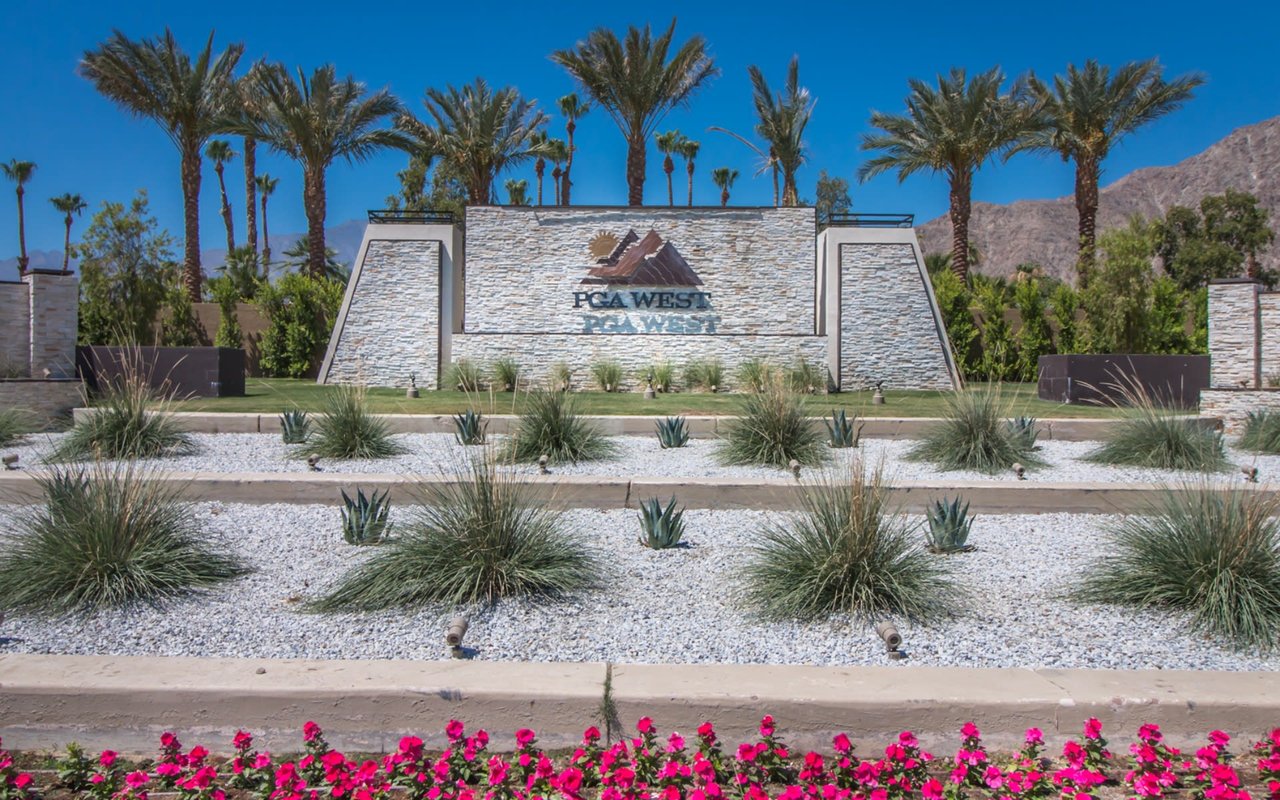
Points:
(44, 400)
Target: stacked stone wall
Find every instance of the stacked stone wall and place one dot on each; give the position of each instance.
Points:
(15, 329)
(1232, 406)
(1233, 335)
(1269, 346)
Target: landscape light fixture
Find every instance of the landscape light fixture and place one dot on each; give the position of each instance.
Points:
(1020, 471)
(1250, 473)
(453, 635)
(877, 397)
(888, 633)
(313, 462)
(11, 461)
(542, 464)
(794, 466)
(412, 391)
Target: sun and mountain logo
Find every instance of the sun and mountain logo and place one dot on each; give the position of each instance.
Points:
(637, 261)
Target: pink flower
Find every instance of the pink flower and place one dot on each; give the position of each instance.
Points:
(242, 740)
(707, 732)
(570, 781)
(1150, 732)
(107, 758)
(970, 731)
(591, 734)
(454, 730)
(137, 779)
(1092, 728)
(645, 725)
(675, 743)
(22, 780)
(524, 737)
(766, 726)
(310, 732)
(1035, 736)
(932, 789)
(1219, 739)
(746, 752)
(841, 743)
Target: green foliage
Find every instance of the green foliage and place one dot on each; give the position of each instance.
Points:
(126, 271)
(806, 378)
(1033, 338)
(469, 427)
(128, 422)
(1024, 428)
(1118, 301)
(999, 353)
(672, 432)
(347, 430)
(771, 430)
(1063, 305)
(178, 324)
(1167, 321)
(226, 295)
(663, 374)
(295, 427)
(107, 538)
(949, 524)
(364, 518)
(14, 424)
(704, 375)
(1261, 432)
(660, 527)
(550, 425)
(75, 769)
(464, 375)
(241, 268)
(955, 303)
(1223, 240)
(1209, 551)
(506, 374)
(833, 198)
(607, 375)
(755, 375)
(476, 538)
(975, 435)
(847, 552)
(1149, 435)
(843, 432)
(561, 377)
(300, 311)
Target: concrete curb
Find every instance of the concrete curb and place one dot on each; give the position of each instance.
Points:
(577, 491)
(125, 702)
(1065, 430)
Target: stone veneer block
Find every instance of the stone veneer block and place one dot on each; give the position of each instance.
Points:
(55, 319)
(15, 327)
(1234, 335)
(392, 325)
(1232, 406)
(1269, 346)
(43, 400)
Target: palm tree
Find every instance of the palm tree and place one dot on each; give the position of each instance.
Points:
(20, 172)
(768, 159)
(538, 146)
(1086, 112)
(517, 192)
(154, 78)
(635, 83)
(477, 132)
(953, 129)
(557, 152)
(573, 109)
(667, 144)
(724, 177)
(70, 205)
(316, 121)
(689, 149)
(249, 104)
(219, 152)
(265, 185)
(782, 122)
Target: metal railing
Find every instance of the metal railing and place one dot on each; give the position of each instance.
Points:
(390, 217)
(849, 219)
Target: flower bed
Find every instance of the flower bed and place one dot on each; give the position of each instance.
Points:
(649, 766)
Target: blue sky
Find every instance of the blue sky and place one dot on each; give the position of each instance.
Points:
(853, 57)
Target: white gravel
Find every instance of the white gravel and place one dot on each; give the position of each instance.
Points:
(640, 456)
(651, 607)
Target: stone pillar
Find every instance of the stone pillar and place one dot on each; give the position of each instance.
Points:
(1234, 338)
(1269, 345)
(15, 327)
(55, 318)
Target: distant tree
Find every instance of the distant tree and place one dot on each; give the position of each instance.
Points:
(723, 177)
(689, 151)
(1222, 240)
(1085, 113)
(1064, 303)
(557, 153)
(517, 192)
(249, 102)
(20, 172)
(298, 259)
(1117, 301)
(833, 197)
(999, 351)
(953, 128)
(219, 152)
(668, 143)
(538, 147)
(188, 99)
(266, 186)
(1034, 338)
(955, 304)
(69, 205)
(572, 108)
(413, 186)
(636, 84)
(782, 120)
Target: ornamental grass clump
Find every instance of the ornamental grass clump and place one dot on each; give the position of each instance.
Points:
(772, 429)
(129, 421)
(847, 551)
(976, 435)
(1261, 432)
(550, 426)
(1210, 551)
(347, 430)
(108, 537)
(1151, 435)
(506, 374)
(475, 538)
(13, 425)
(607, 375)
(464, 375)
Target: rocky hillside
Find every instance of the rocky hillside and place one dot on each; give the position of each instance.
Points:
(1044, 231)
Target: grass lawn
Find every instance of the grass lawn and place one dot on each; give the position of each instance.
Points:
(273, 395)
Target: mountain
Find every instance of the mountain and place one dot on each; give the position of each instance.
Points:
(1044, 231)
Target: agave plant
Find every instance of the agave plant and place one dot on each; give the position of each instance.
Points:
(843, 432)
(469, 427)
(660, 527)
(949, 524)
(672, 432)
(364, 519)
(294, 427)
(1024, 429)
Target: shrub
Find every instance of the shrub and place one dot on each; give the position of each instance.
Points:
(1149, 435)
(107, 538)
(806, 378)
(476, 538)
(226, 294)
(469, 428)
(847, 551)
(550, 425)
(664, 376)
(999, 353)
(949, 525)
(128, 422)
(955, 304)
(1034, 338)
(707, 376)
(1210, 551)
(772, 429)
(755, 375)
(13, 425)
(364, 518)
(300, 310)
(660, 527)
(346, 429)
(672, 432)
(1025, 428)
(976, 435)
(1261, 432)
(464, 375)
(506, 374)
(561, 377)
(607, 375)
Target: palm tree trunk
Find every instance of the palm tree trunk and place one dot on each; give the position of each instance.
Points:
(635, 170)
(555, 176)
(565, 183)
(251, 192)
(191, 274)
(773, 165)
(266, 241)
(226, 210)
(539, 168)
(66, 246)
(790, 197)
(669, 166)
(689, 168)
(23, 261)
(1087, 174)
(313, 196)
(960, 207)
(724, 197)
